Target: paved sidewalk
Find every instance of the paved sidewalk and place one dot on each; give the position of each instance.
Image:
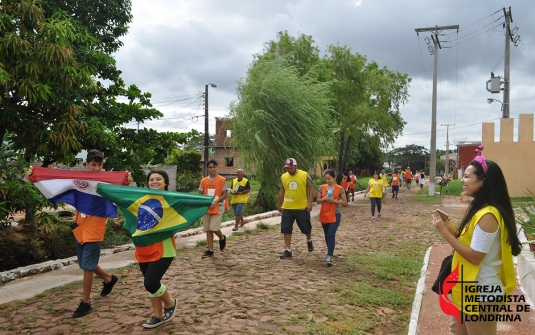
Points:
(27, 287)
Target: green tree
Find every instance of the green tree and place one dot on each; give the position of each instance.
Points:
(411, 155)
(365, 98)
(366, 101)
(56, 60)
(278, 114)
(188, 163)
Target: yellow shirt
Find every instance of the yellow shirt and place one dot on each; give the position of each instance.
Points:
(376, 188)
(295, 190)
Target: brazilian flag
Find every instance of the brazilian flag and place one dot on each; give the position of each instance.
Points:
(154, 215)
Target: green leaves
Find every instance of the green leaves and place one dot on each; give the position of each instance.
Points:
(279, 114)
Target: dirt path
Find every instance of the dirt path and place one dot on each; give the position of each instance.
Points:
(247, 289)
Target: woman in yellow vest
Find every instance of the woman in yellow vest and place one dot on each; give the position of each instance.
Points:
(330, 196)
(376, 189)
(484, 247)
(240, 197)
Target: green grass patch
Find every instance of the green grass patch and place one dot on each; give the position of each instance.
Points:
(454, 188)
(363, 294)
(386, 266)
(423, 197)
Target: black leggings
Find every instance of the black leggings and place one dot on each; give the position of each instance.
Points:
(376, 201)
(153, 273)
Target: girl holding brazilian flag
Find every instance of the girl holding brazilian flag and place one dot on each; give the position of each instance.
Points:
(153, 217)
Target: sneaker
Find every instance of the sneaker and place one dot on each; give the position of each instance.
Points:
(83, 309)
(379, 215)
(310, 246)
(169, 313)
(222, 243)
(373, 218)
(286, 254)
(107, 287)
(208, 253)
(153, 322)
(329, 261)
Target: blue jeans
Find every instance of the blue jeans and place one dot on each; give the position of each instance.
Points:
(330, 232)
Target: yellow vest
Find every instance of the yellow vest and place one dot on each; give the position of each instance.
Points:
(239, 198)
(295, 190)
(470, 271)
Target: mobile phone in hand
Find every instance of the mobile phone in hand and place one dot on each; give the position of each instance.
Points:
(443, 215)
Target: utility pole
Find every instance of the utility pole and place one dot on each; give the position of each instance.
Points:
(447, 165)
(507, 61)
(433, 152)
(206, 134)
(495, 82)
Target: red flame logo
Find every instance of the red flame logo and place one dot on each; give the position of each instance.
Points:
(447, 306)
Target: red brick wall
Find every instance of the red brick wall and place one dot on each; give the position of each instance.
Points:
(466, 155)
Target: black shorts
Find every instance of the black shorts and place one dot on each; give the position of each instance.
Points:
(301, 216)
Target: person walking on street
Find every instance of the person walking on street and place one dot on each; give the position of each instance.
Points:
(330, 196)
(422, 180)
(352, 182)
(240, 197)
(89, 231)
(154, 260)
(345, 181)
(376, 190)
(296, 194)
(396, 177)
(216, 186)
(408, 177)
(384, 178)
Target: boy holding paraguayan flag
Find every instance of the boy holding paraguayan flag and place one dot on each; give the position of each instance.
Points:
(78, 189)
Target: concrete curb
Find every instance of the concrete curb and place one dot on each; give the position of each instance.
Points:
(418, 295)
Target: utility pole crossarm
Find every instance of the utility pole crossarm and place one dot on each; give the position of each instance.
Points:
(433, 150)
(419, 30)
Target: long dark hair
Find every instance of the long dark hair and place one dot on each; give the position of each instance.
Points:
(493, 192)
(161, 173)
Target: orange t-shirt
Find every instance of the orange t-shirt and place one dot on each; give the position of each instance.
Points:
(214, 188)
(90, 228)
(353, 179)
(395, 179)
(328, 210)
(408, 174)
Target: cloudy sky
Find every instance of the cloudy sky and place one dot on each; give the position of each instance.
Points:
(174, 48)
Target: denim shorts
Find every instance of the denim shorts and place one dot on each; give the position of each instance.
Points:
(88, 255)
(237, 209)
(301, 216)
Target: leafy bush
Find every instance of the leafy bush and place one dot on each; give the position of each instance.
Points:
(15, 193)
(16, 251)
(527, 219)
(188, 181)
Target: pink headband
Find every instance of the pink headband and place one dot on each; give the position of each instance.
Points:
(480, 159)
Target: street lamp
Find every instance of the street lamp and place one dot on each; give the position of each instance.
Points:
(206, 135)
(491, 100)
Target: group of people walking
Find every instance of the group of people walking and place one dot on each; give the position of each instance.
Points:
(484, 242)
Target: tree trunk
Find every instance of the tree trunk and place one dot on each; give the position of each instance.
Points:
(341, 161)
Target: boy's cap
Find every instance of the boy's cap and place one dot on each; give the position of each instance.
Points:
(290, 162)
